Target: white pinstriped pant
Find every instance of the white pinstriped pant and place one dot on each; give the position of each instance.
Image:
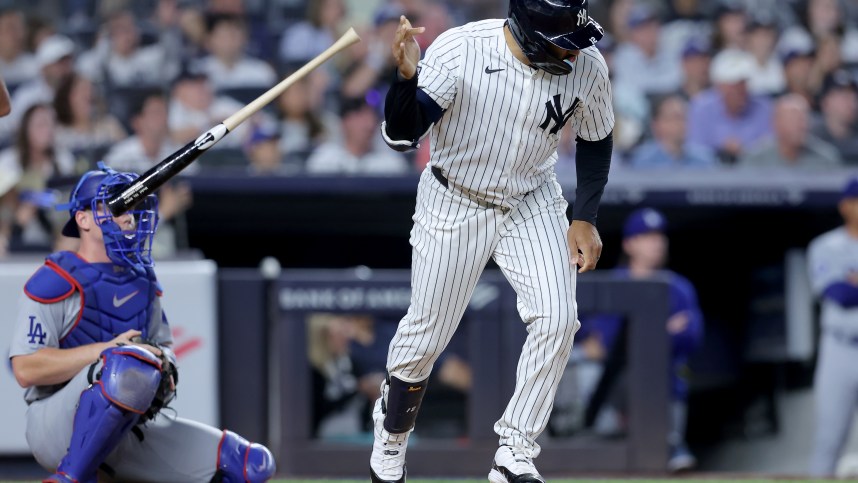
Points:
(452, 239)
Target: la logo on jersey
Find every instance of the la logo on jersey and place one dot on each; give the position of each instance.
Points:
(554, 112)
(36, 332)
(582, 17)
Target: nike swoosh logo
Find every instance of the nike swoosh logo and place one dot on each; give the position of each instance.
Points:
(492, 71)
(120, 302)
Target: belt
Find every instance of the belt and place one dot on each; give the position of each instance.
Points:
(439, 175)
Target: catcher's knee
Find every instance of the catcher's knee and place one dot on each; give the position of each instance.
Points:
(130, 377)
(240, 461)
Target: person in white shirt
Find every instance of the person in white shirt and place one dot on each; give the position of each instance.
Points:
(642, 61)
(16, 64)
(768, 75)
(54, 58)
(194, 108)
(356, 154)
(119, 59)
(228, 67)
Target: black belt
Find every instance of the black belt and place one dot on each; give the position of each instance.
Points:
(439, 175)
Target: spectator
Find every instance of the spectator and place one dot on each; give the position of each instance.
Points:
(302, 126)
(16, 64)
(357, 153)
(262, 149)
(838, 120)
(696, 59)
(793, 145)
(643, 63)
(120, 60)
(371, 62)
(798, 65)
(54, 58)
(228, 67)
(194, 108)
(726, 118)
(32, 161)
(685, 20)
(670, 148)
(150, 142)
(84, 126)
(821, 19)
(767, 77)
(730, 26)
(311, 37)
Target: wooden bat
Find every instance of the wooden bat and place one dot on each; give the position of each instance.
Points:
(152, 179)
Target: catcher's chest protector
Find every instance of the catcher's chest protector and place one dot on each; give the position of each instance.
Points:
(112, 301)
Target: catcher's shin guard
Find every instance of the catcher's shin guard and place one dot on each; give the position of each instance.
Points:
(107, 410)
(240, 461)
(402, 403)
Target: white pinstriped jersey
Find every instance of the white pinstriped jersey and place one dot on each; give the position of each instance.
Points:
(498, 136)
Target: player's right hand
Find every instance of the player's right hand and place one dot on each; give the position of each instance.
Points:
(406, 52)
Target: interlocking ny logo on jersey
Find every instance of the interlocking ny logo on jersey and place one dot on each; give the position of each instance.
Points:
(554, 112)
(582, 17)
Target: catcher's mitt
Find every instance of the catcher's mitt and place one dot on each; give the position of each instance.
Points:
(169, 380)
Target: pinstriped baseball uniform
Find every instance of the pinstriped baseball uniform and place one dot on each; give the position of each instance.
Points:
(493, 194)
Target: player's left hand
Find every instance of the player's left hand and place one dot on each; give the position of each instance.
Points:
(585, 245)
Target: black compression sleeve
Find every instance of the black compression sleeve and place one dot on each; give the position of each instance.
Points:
(592, 163)
(408, 111)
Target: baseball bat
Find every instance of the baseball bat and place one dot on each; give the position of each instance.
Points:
(152, 179)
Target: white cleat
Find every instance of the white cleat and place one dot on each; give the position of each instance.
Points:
(514, 465)
(387, 463)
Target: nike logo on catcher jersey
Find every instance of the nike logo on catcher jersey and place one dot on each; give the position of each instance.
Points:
(120, 302)
(492, 71)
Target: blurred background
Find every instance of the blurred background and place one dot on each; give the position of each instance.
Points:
(284, 250)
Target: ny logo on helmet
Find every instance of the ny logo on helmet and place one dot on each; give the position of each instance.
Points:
(582, 17)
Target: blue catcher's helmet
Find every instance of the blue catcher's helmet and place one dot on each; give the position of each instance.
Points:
(537, 24)
(130, 247)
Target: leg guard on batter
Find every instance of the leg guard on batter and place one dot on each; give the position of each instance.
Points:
(401, 403)
(108, 408)
(240, 461)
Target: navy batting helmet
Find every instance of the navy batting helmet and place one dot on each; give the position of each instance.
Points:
(537, 24)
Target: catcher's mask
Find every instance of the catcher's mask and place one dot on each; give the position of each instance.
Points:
(537, 24)
(130, 247)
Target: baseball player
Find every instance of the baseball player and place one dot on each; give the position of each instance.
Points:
(92, 346)
(645, 246)
(833, 268)
(494, 95)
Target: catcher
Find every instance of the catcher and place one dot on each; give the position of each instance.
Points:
(92, 347)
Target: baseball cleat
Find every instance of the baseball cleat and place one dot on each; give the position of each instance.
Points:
(375, 479)
(680, 459)
(59, 478)
(514, 465)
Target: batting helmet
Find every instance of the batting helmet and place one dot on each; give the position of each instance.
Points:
(129, 247)
(537, 24)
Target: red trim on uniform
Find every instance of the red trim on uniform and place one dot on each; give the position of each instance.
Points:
(219, 445)
(246, 456)
(159, 292)
(44, 300)
(62, 273)
(139, 357)
(117, 403)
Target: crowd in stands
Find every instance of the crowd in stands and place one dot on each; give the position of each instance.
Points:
(698, 84)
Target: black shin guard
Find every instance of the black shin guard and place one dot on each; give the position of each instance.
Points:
(403, 404)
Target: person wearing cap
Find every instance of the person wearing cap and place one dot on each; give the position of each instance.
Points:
(54, 58)
(837, 122)
(696, 58)
(669, 147)
(356, 153)
(641, 61)
(92, 346)
(793, 146)
(645, 248)
(262, 149)
(726, 117)
(833, 271)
